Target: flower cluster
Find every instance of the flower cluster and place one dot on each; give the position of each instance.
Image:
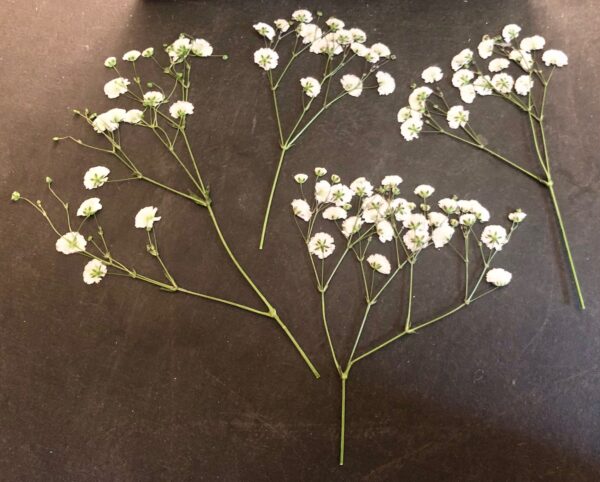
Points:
(471, 77)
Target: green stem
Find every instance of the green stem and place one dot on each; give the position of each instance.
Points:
(328, 335)
(410, 296)
(343, 419)
(263, 233)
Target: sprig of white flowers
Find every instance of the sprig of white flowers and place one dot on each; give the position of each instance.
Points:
(341, 48)
(370, 220)
(163, 109)
(518, 72)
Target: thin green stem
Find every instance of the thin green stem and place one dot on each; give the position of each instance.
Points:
(343, 420)
(263, 233)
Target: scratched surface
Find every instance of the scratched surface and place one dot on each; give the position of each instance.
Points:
(124, 382)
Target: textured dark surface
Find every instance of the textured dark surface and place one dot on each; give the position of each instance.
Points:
(124, 382)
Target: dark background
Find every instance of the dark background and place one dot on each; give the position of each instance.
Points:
(124, 382)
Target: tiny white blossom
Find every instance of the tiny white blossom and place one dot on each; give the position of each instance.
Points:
(390, 182)
(510, 32)
(266, 58)
(180, 109)
(406, 113)
(457, 117)
(201, 48)
(449, 206)
(503, 83)
(417, 98)
(442, 235)
(343, 37)
(386, 83)
(555, 57)
(94, 271)
(498, 277)
(351, 225)
(536, 42)
(110, 62)
(132, 55)
(333, 213)
(523, 84)
(462, 77)
(301, 209)
(352, 84)
(133, 116)
(358, 35)
(335, 24)
(424, 190)
(432, 74)
(96, 177)
(309, 32)
(70, 243)
(89, 207)
(303, 16)
(115, 87)
(361, 187)
(467, 93)
(322, 191)
(416, 222)
(340, 195)
(381, 50)
(379, 263)
(311, 86)
(486, 48)
(360, 49)
(146, 217)
(468, 219)
(147, 53)
(385, 231)
(524, 59)
(109, 120)
(517, 217)
(498, 65)
(282, 25)
(265, 30)
(179, 49)
(320, 171)
(483, 85)
(462, 59)
(494, 237)
(321, 245)
(411, 128)
(415, 240)
(300, 178)
(437, 219)
(153, 98)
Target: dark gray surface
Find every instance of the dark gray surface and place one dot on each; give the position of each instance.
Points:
(123, 382)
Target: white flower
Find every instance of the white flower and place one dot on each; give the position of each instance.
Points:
(390, 182)
(335, 24)
(322, 191)
(89, 207)
(358, 35)
(70, 243)
(417, 98)
(133, 116)
(266, 58)
(320, 171)
(432, 74)
(416, 222)
(406, 113)
(202, 48)
(300, 178)
(352, 84)
(361, 187)
(321, 245)
(523, 84)
(381, 50)
(309, 32)
(468, 219)
(411, 128)
(265, 30)
(311, 86)
(449, 206)
(282, 25)
(340, 195)
(379, 263)
(180, 109)
(94, 271)
(457, 117)
(462, 59)
(334, 213)
(147, 53)
(386, 83)
(109, 120)
(301, 209)
(424, 190)
(536, 42)
(359, 49)
(517, 217)
(415, 240)
(467, 93)
(132, 55)
(179, 49)
(503, 83)
(385, 231)
(374, 208)
(303, 16)
(494, 237)
(486, 48)
(482, 214)
(115, 87)
(462, 77)
(153, 98)
(95, 177)
(343, 37)
(442, 235)
(498, 277)
(146, 217)
(351, 225)
(483, 85)
(555, 57)
(510, 32)
(110, 62)
(524, 59)
(498, 65)
(437, 219)
(327, 45)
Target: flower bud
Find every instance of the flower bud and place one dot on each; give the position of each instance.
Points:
(149, 52)
(15, 196)
(320, 171)
(48, 180)
(110, 62)
(300, 178)
(335, 178)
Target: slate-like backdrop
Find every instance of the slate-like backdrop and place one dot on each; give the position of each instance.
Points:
(124, 382)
